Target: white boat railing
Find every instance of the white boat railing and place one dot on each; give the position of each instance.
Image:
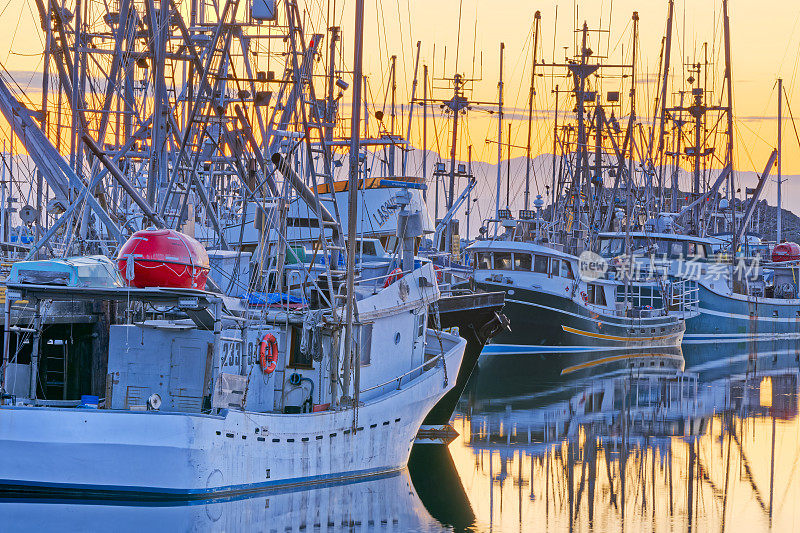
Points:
(684, 296)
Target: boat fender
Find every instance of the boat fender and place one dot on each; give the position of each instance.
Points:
(268, 361)
(585, 298)
(393, 276)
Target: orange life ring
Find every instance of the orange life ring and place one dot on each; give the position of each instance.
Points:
(268, 362)
(393, 276)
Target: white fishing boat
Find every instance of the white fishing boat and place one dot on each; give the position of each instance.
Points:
(210, 396)
(207, 401)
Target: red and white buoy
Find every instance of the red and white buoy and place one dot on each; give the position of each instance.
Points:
(163, 258)
(786, 251)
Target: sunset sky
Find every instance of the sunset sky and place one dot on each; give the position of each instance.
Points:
(765, 40)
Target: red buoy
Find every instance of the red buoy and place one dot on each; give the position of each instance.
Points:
(786, 251)
(163, 258)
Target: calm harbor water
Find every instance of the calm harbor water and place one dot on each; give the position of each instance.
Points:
(649, 449)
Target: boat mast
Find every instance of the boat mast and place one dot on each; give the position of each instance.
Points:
(75, 132)
(663, 96)
(469, 194)
(499, 140)
(352, 199)
(508, 169)
(536, 19)
(457, 98)
(697, 111)
(391, 146)
(158, 147)
(780, 120)
(632, 120)
(676, 155)
(329, 113)
(583, 72)
(729, 111)
(44, 122)
(458, 103)
(3, 196)
(425, 140)
(553, 195)
(411, 107)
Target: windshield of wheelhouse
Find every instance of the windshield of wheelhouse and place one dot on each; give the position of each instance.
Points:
(612, 246)
(665, 248)
(523, 262)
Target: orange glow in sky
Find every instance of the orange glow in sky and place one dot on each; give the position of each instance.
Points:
(765, 39)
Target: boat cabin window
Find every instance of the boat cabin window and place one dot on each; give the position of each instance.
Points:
(671, 248)
(595, 294)
(367, 248)
(694, 249)
(483, 260)
(522, 262)
(566, 270)
(540, 264)
(612, 247)
(555, 264)
(390, 243)
(297, 359)
(641, 296)
(502, 261)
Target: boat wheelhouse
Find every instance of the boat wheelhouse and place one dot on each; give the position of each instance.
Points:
(671, 246)
(566, 320)
(745, 303)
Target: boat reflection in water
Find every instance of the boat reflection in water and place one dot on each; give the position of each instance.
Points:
(757, 355)
(544, 377)
(387, 503)
(651, 449)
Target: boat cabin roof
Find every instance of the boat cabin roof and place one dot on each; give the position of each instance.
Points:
(196, 303)
(660, 236)
(518, 246)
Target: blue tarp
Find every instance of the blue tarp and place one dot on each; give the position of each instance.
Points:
(271, 298)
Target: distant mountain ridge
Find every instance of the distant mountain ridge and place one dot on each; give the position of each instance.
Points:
(486, 174)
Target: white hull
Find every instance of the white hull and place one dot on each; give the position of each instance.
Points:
(175, 455)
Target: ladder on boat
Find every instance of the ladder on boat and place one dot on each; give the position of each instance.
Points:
(55, 371)
(317, 150)
(205, 115)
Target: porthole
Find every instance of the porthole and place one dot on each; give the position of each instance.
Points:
(397, 338)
